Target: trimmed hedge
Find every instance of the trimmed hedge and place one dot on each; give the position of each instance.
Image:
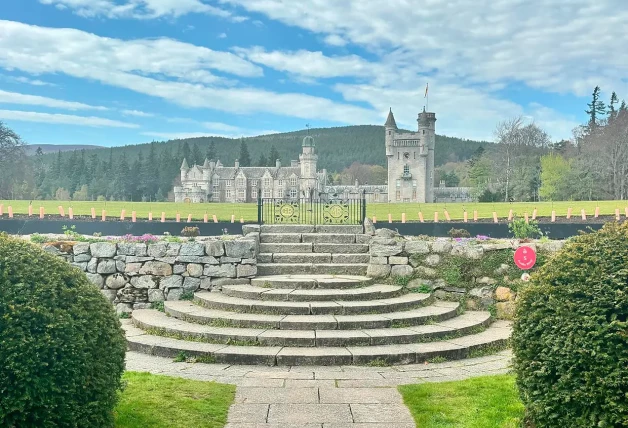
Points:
(570, 336)
(61, 345)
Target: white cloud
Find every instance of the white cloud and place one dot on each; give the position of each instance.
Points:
(137, 113)
(335, 40)
(66, 119)
(34, 82)
(222, 35)
(218, 126)
(175, 135)
(141, 9)
(565, 47)
(36, 100)
(126, 64)
(309, 64)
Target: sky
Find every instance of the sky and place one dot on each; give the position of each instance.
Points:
(117, 72)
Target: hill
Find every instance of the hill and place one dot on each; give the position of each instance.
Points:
(337, 147)
(30, 149)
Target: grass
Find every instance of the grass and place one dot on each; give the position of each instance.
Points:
(164, 402)
(482, 402)
(248, 211)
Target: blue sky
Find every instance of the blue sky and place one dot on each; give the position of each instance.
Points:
(115, 72)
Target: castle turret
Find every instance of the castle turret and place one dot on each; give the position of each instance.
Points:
(184, 170)
(427, 132)
(308, 160)
(390, 128)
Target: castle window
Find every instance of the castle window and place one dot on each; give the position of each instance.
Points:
(267, 182)
(414, 184)
(241, 182)
(280, 193)
(240, 193)
(398, 195)
(229, 183)
(376, 196)
(398, 184)
(254, 183)
(424, 132)
(414, 155)
(293, 193)
(414, 194)
(406, 169)
(293, 181)
(254, 193)
(228, 194)
(280, 183)
(267, 193)
(398, 155)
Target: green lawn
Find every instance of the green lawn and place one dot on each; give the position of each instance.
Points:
(151, 401)
(483, 402)
(248, 212)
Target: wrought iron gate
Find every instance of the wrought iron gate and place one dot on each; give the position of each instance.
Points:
(311, 211)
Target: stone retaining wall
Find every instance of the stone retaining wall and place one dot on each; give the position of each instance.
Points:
(481, 273)
(136, 275)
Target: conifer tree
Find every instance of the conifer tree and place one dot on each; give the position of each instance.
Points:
(273, 157)
(245, 157)
(197, 157)
(612, 112)
(596, 108)
(211, 151)
(262, 161)
(185, 152)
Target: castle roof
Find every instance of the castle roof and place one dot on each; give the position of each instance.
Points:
(229, 172)
(308, 141)
(390, 121)
(184, 165)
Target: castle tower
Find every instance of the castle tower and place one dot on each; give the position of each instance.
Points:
(391, 128)
(427, 131)
(308, 159)
(184, 170)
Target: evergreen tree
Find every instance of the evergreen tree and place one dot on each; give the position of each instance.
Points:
(211, 151)
(273, 157)
(245, 157)
(40, 168)
(612, 112)
(596, 108)
(262, 161)
(58, 166)
(197, 157)
(185, 152)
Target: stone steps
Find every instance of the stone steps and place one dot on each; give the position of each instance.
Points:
(221, 301)
(313, 258)
(437, 312)
(294, 238)
(371, 292)
(321, 228)
(494, 336)
(312, 281)
(160, 324)
(265, 269)
(309, 247)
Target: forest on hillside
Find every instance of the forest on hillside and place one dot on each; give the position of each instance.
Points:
(149, 171)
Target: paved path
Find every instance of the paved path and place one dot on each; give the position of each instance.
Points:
(321, 397)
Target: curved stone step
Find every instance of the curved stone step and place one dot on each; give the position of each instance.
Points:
(493, 338)
(311, 281)
(312, 268)
(187, 311)
(160, 324)
(371, 292)
(213, 300)
(294, 257)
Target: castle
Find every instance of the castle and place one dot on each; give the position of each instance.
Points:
(410, 159)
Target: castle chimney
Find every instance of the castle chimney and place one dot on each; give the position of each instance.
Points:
(278, 163)
(294, 163)
(237, 163)
(356, 182)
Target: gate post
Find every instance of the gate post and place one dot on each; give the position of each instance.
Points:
(259, 209)
(363, 217)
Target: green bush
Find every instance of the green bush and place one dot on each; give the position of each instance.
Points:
(458, 233)
(61, 345)
(524, 230)
(570, 336)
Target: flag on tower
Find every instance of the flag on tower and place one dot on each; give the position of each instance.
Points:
(426, 86)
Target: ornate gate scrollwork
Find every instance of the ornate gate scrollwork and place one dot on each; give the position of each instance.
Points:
(311, 211)
(336, 212)
(287, 212)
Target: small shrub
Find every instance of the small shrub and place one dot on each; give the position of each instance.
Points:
(181, 357)
(158, 306)
(38, 239)
(187, 295)
(570, 336)
(522, 230)
(458, 233)
(62, 348)
(190, 231)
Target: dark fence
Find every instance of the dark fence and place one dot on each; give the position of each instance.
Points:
(114, 228)
(551, 230)
(311, 211)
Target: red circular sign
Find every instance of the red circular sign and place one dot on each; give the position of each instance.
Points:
(525, 258)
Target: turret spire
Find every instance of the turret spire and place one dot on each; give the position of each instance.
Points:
(390, 121)
(184, 165)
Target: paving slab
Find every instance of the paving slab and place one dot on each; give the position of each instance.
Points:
(251, 413)
(299, 414)
(377, 413)
(360, 396)
(277, 395)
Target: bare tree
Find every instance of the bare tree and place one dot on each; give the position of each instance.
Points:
(11, 157)
(516, 144)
